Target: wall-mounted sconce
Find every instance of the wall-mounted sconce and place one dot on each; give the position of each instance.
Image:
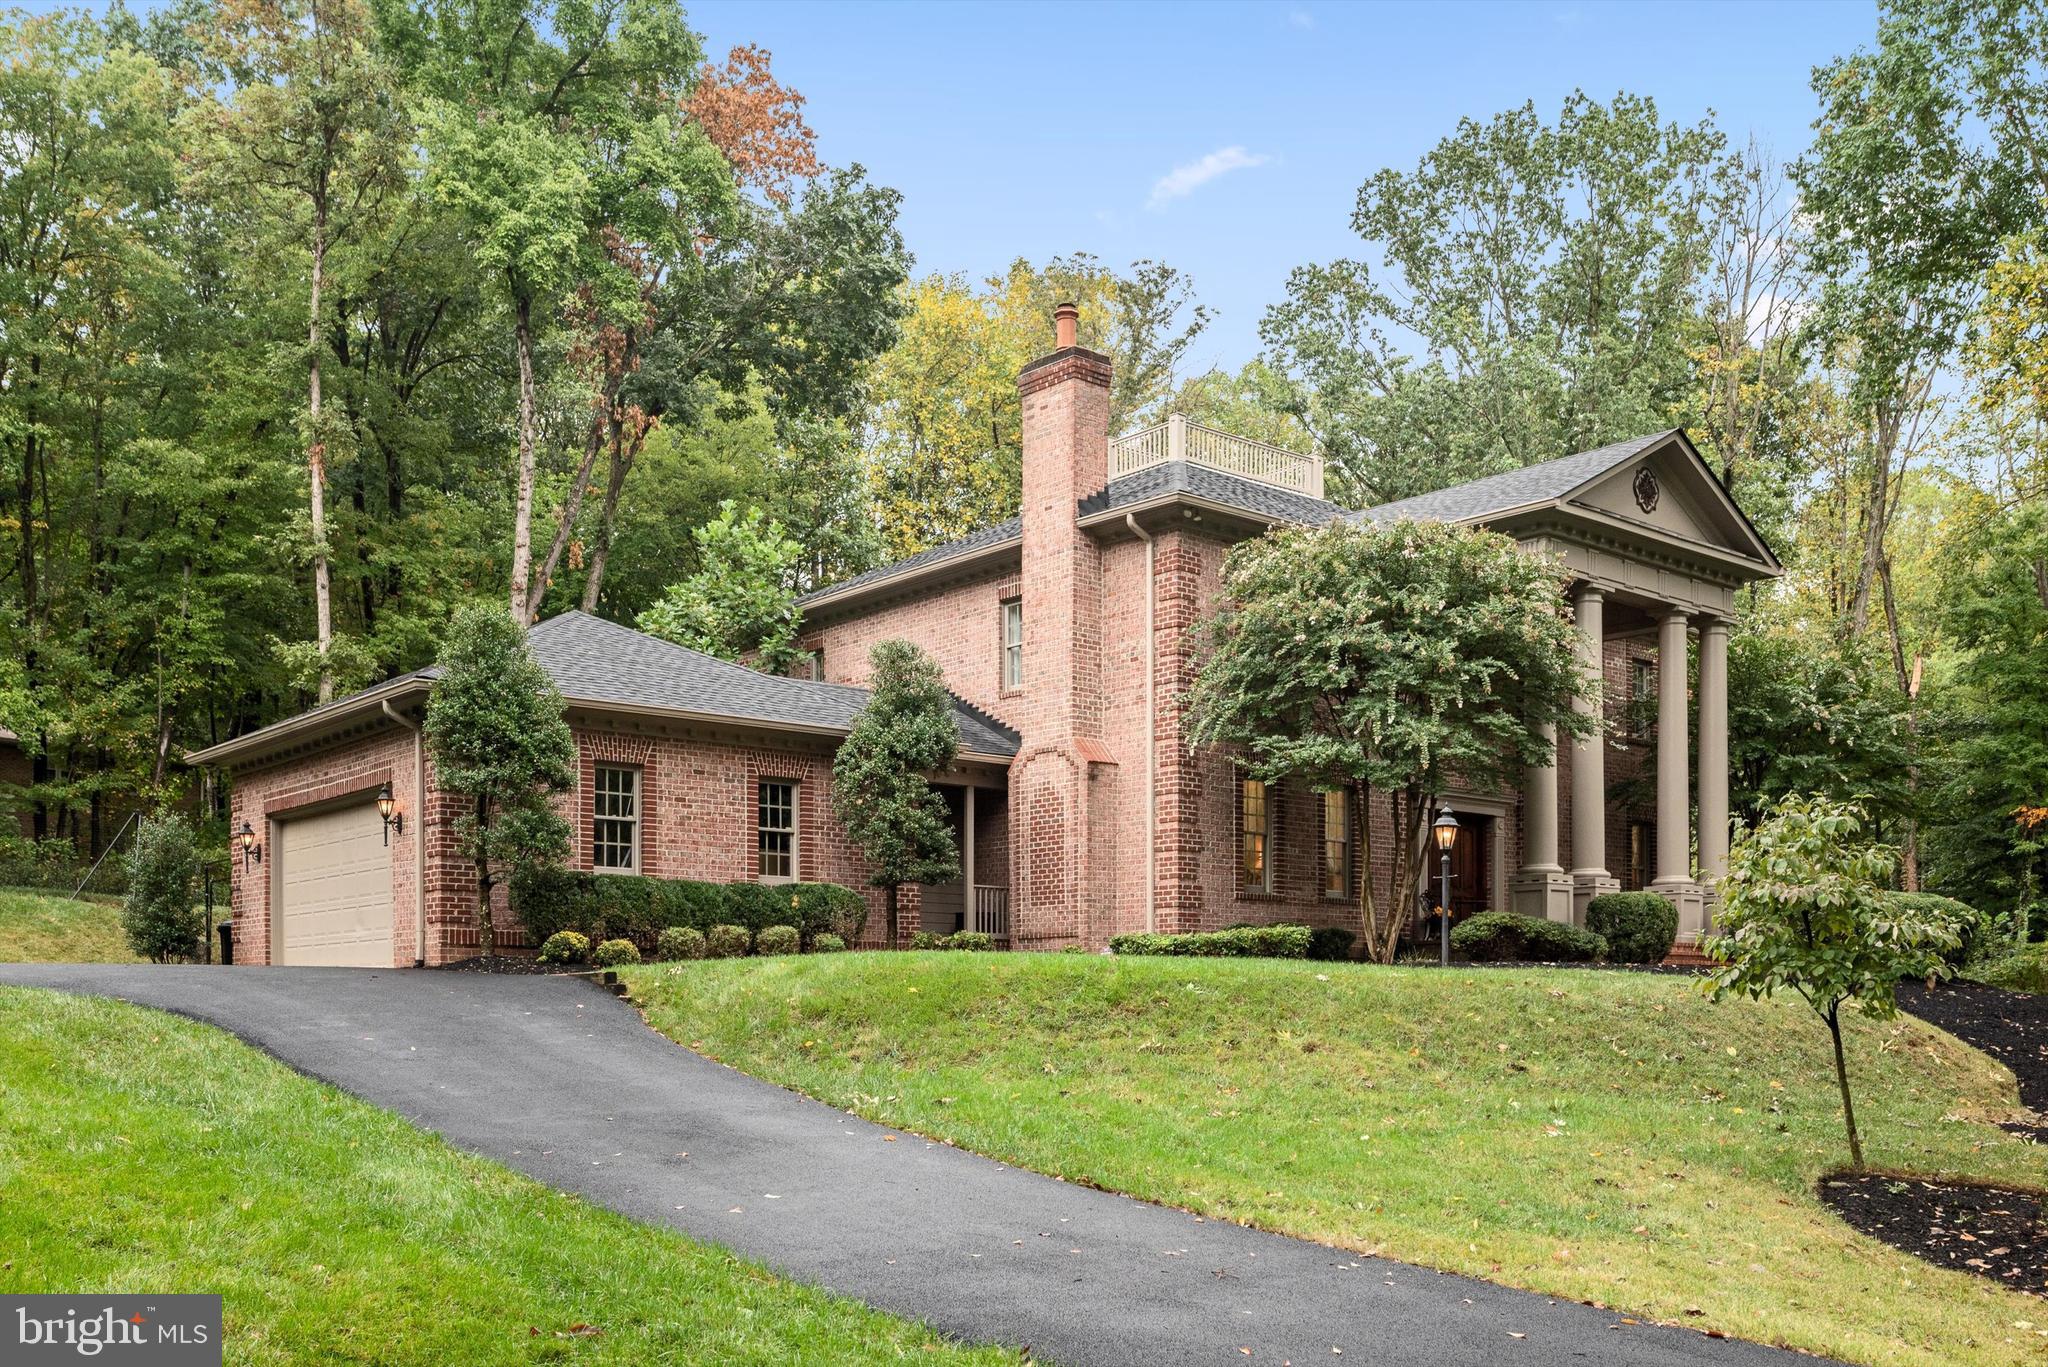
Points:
(387, 807)
(252, 853)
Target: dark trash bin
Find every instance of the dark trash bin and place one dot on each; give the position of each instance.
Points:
(227, 942)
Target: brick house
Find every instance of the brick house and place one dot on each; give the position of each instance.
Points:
(1063, 635)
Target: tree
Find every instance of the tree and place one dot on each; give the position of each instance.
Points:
(1803, 909)
(741, 598)
(157, 914)
(1400, 656)
(880, 789)
(500, 745)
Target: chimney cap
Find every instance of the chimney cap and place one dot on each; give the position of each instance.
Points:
(1065, 324)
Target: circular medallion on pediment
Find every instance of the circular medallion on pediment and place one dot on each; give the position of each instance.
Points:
(1646, 489)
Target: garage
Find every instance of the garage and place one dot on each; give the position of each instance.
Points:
(334, 889)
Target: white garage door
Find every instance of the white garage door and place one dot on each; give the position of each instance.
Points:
(334, 882)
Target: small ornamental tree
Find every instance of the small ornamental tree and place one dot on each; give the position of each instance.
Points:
(742, 597)
(157, 913)
(1388, 657)
(1803, 907)
(500, 745)
(891, 812)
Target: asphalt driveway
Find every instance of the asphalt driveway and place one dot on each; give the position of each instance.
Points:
(564, 1082)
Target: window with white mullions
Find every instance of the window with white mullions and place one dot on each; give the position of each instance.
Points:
(775, 826)
(615, 818)
(1013, 644)
(1337, 844)
(1255, 820)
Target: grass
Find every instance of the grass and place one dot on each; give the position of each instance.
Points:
(142, 1152)
(50, 928)
(1603, 1136)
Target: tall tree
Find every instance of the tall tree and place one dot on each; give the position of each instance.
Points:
(741, 599)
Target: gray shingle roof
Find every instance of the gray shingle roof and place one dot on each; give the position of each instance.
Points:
(1011, 530)
(1218, 486)
(595, 661)
(1516, 488)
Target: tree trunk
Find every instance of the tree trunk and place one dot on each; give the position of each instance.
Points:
(889, 901)
(623, 457)
(316, 459)
(1842, 1078)
(522, 514)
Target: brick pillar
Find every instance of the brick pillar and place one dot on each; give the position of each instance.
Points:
(1061, 763)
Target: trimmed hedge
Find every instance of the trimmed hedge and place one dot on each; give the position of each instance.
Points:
(825, 942)
(1331, 943)
(970, 940)
(565, 947)
(613, 953)
(679, 942)
(1639, 927)
(1498, 936)
(1244, 942)
(927, 939)
(632, 907)
(727, 942)
(777, 940)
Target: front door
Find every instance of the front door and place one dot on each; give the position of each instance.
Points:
(1471, 870)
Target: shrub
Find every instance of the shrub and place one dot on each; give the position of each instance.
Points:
(612, 953)
(828, 908)
(825, 942)
(1976, 935)
(1330, 943)
(758, 905)
(679, 942)
(565, 947)
(1498, 936)
(687, 902)
(158, 914)
(626, 908)
(1245, 942)
(927, 939)
(2025, 970)
(727, 942)
(1639, 927)
(970, 939)
(778, 940)
(548, 898)
(1075, 949)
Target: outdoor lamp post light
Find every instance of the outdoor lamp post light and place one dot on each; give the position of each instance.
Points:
(387, 807)
(1446, 829)
(252, 853)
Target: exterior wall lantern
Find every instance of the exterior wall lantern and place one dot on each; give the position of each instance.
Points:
(252, 853)
(387, 807)
(1446, 832)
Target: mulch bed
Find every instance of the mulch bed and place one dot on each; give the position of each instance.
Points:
(2012, 1027)
(1990, 1231)
(503, 963)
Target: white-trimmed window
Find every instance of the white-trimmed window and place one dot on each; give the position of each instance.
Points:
(814, 665)
(615, 818)
(775, 830)
(1337, 844)
(1013, 643)
(1255, 825)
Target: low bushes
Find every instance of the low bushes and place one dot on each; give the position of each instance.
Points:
(1976, 933)
(777, 940)
(1497, 936)
(679, 942)
(1331, 943)
(825, 942)
(727, 942)
(1242, 942)
(630, 907)
(565, 947)
(971, 940)
(2025, 970)
(613, 953)
(1639, 927)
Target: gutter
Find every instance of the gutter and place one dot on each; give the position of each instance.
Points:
(419, 834)
(1151, 723)
(306, 722)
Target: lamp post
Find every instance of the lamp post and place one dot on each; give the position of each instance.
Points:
(1446, 829)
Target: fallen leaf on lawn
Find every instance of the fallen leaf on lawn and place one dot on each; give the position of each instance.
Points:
(1513, 1335)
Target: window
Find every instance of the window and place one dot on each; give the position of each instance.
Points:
(776, 830)
(813, 665)
(1337, 844)
(615, 819)
(1255, 819)
(1013, 644)
(1642, 695)
(1639, 851)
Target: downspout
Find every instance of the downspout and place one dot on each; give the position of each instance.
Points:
(1151, 730)
(419, 834)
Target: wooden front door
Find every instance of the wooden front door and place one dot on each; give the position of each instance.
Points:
(1471, 871)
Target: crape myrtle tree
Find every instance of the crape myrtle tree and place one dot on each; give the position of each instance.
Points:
(1394, 657)
(1803, 908)
(891, 812)
(499, 742)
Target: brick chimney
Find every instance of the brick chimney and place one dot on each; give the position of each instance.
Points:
(1053, 782)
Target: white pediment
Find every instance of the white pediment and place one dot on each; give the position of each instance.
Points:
(1668, 493)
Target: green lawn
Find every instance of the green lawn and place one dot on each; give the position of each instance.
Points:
(142, 1152)
(1599, 1135)
(50, 928)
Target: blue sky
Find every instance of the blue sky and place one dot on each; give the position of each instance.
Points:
(1036, 129)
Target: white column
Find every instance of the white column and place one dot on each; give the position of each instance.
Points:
(1713, 780)
(1542, 888)
(967, 795)
(1590, 877)
(1674, 792)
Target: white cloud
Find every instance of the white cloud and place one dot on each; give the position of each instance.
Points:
(1301, 19)
(1183, 181)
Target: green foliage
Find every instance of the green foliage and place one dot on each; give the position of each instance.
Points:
(1331, 943)
(777, 940)
(1392, 656)
(973, 940)
(1803, 909)
(1808, 714)
(679, 942)
(727, 942)
(927, 940)
(1975, 935)
(1639, 927)
(2023, 970)
(501, 749)
(163, 870)
(564, 947)
(742, 597)
(825, 942)
(613, 953)
(640, 909)
(1242, 942)
(828, 908)
(881, 789)
(1506, 937)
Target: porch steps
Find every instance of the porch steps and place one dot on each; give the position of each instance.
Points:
(1686, 956)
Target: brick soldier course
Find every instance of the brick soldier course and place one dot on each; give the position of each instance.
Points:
(1090, 815)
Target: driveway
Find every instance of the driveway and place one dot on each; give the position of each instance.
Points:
(564, 1082)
